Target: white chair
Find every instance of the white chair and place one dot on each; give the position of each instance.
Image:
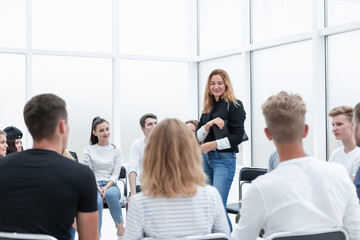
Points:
(325, 234)
(211, 236)
(25, 236)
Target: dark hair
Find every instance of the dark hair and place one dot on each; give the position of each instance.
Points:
(146, 116)
(357, 112)
(11, 146)
(42, 113)
(96, 121)
(193, 122)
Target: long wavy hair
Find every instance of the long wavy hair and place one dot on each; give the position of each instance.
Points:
(228, 95)
(172, 161)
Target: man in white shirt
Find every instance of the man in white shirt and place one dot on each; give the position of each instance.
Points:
(347, 155)
(302, 194)
(147, 123)
(356, 128)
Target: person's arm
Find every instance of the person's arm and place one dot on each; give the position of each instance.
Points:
(351, 217)
(117, 167)
(220, 222)
(252, 215)
(134, 221)
(132, 183)
(236, 123)
(87, 158)
(87, 225)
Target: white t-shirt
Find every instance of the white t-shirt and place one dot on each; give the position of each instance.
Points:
(136, 156)
(350, 160)
(104, 161)
(300, 195)
(165, 218)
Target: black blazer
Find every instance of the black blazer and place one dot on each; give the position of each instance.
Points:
(234, 117)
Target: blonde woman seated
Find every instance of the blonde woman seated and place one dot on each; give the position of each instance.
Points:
(174, 201)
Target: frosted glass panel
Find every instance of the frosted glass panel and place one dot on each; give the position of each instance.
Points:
(157, 27)
(160, 88)
(233, 66)
(12, 97)
(343, 11)
(86, 86)
(343, 76)
(291, 72)
(82, 25)
(280, 18)
(12, 23)
(220, 29)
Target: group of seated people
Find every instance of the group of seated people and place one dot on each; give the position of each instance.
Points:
(44, 191)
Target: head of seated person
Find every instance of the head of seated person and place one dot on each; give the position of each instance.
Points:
(13, 136)
(3, 144)
(172, 161)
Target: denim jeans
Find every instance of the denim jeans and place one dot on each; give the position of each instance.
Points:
(220, 167)
(112, 197)
(72, 233)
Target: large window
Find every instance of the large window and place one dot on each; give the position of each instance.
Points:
(291, 72)
(343, 76)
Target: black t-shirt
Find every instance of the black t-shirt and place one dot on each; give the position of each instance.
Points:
(41, 192)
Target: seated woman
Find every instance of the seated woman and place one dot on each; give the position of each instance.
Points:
(3, 144)
(104, 159)
(13, 136)
(174, 201)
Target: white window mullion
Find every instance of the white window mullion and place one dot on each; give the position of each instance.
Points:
(319, 120)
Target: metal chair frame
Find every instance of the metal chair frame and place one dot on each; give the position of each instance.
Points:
(246, 175)
(324, 234)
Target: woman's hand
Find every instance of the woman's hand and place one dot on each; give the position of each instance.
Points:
(206, 147)
(217, 121)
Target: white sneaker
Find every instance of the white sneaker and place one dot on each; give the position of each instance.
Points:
(120, 237)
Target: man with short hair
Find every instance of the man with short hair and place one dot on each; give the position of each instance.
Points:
(356, 128)
(147, 123)
(302, 194)
(347, 155)
(41, 191)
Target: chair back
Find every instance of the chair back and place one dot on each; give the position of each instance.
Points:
(25, 236)
(247, 175)
(211, 236)
(327, 234)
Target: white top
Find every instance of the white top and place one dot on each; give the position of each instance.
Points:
(300, 195)
(223, 143)
(350, 160)
(104, 161)
(175, 217)
(136, 156)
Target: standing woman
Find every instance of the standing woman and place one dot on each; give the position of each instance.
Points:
(13, 136)
(3, 144)
(221, 127)
(105, 159)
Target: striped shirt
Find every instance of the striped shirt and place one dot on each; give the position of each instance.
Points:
(176, 217)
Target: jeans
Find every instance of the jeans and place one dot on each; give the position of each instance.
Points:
(72, 233)
(220, 167)
(112, 197)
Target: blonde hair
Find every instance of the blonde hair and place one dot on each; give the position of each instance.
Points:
(228, 95)
(285, 117)
(68, 155)
(346, 110)
(2, 132)
(172, 161)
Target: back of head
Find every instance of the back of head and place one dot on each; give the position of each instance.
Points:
(285, 117)
(357, 113)
(42, 113)
(146, 116)
(346, 110)
(172, 161)
(13, 133)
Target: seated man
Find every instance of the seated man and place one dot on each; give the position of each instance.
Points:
(347, 155)
(356, 122)
(302, 194)
(42, 191)
(147, 123)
